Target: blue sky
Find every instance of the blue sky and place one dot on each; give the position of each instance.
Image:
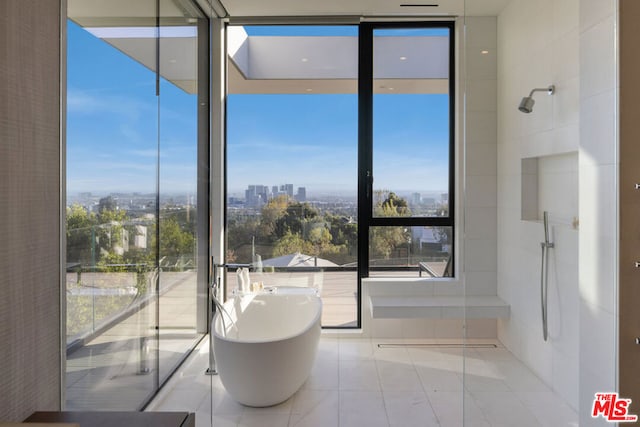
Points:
(311, 141)
(114, 119)
(306, 140)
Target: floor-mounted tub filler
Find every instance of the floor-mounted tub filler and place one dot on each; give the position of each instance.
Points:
(265, 344)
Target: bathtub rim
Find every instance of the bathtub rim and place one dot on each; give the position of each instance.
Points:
(316, 319)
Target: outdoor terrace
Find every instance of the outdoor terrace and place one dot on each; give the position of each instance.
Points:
(110, 353)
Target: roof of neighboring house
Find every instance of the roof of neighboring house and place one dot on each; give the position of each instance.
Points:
(298, 260)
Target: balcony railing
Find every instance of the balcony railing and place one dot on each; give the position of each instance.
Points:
(100, 296)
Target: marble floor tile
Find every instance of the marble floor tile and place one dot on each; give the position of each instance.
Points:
(356, 383)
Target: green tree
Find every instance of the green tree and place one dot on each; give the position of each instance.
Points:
(110, 233)
(294, 218)
(343, 230)
(320, 238)
(389, 203)
(175, 242)
(271, 213)
(112, 262)
(80, 234)
(385, 239)
(291, 243)
(241, 235)
(107, 204)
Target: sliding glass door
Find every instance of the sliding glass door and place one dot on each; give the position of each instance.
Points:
(135, 284)
(183, 116)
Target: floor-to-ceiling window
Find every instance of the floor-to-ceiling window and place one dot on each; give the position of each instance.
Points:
(136, 93)
(292, 160)
(340, 156)
(407, 148)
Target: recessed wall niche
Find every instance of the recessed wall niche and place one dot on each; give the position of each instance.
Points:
(549, 183)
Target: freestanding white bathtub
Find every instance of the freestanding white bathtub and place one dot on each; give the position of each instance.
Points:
(268, 354)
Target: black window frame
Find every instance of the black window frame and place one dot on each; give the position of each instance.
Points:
(366, 220)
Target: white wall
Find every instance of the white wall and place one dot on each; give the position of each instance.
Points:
(598, 202)
(538, 45)
(480, 204)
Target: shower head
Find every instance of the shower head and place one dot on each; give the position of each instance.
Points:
(526, 105)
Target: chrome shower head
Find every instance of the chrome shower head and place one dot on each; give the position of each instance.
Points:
(526, 105)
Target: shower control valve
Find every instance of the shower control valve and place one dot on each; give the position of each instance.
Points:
(637, 264)
(637, 186)
(637, 340)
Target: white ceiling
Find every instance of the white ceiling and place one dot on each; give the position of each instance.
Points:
(259, 8)
(295, 64)
(119, 9)
(178, 68)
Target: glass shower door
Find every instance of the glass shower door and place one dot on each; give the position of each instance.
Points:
(518, 372)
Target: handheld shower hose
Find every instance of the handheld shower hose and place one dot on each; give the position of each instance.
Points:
(544, 273)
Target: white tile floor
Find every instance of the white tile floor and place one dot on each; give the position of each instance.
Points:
(356, 383)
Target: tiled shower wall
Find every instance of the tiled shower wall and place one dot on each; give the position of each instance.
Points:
(538, 45)
(599, 165)
(573, 47)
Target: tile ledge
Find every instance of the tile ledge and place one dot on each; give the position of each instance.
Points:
(441, 307)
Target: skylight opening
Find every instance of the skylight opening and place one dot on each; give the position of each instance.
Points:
(301, 31)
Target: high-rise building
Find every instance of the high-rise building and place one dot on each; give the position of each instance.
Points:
(256, 195)
(301, 195)
(287, 189)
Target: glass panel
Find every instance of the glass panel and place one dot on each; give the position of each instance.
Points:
(417, 251)
(539, 348)
(179, 289)
(111, 208)
(411, 132)
(292, 160)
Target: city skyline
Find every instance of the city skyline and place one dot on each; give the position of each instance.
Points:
(310, 193)
(408, 194)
